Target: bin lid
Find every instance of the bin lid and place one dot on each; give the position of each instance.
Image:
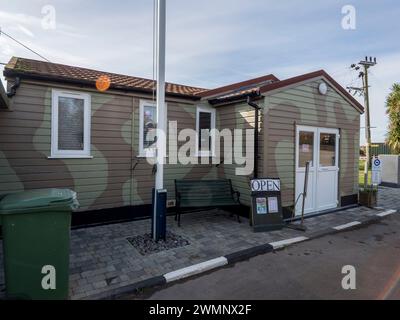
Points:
(36, 198)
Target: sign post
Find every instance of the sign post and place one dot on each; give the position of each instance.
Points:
(266, 204)
(376, 171)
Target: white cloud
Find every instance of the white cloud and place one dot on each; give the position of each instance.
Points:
(9, 18)
(26, 31)
(211, 43)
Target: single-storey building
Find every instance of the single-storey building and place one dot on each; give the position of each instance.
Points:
(59, 130)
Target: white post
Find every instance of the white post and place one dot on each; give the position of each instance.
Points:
(160, 194)
(160, 76)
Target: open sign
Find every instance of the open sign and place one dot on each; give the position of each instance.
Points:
(258, 185)
(266, 204)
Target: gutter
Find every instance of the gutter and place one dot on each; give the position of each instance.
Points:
(90, 83)
(233, 99)
(256, 108)
(14, 87)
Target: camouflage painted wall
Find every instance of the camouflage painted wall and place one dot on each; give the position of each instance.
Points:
(240, 116)
(303, 105)
(107, 180)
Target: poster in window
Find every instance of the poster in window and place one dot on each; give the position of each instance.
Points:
(305, 148)
(149, 126)
(261, 204)
(273, 205)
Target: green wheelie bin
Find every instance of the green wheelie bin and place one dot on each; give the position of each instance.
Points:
(36, 231)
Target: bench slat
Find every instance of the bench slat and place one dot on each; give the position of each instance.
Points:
(204, 193)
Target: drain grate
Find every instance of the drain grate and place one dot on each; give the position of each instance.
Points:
(146, 245)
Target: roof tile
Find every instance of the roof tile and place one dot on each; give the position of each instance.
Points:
(22, 66)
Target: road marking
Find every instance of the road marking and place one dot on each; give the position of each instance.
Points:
(286, 242)
(195, 269)
(386, 213)
(347, 225)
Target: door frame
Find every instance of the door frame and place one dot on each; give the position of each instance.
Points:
(315, 168)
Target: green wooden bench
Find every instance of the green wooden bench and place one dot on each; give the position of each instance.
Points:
(191, 194)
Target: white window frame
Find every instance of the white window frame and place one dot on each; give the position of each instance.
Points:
(142, 151)
(202, 153)
(55, 152)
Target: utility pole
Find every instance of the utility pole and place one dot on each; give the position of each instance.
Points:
(366, 64)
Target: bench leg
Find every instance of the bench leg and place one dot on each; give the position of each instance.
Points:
(178, 217)
(237, 216)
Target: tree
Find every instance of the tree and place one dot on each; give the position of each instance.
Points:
(393, 111)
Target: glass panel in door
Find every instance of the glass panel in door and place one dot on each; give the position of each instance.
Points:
(306, 148)
(307, 144)
(327, 149)
(327, 171)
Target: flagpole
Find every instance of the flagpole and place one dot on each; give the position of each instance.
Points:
(160, 74)
(160, 196)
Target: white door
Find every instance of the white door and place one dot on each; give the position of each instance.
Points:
(319, 146)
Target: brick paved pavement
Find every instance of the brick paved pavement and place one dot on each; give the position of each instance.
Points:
(102, 259)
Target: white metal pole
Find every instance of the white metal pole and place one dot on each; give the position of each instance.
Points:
(160, 76)
(161, 116)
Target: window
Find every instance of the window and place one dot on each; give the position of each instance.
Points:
(70, 124)
(306, 148)
(205, 121)
(327, 150)
(147, 128)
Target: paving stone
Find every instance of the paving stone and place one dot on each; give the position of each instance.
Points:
(96, 278)
(75, 276)
(101, 257)
(100, 284)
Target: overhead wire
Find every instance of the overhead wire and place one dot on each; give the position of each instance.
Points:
(25, 46)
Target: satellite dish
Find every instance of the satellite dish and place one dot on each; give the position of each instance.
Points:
(323, 88)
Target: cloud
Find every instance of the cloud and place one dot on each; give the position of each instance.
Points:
(9, 18)
(211, 43)
(26, 31)
(29, 23)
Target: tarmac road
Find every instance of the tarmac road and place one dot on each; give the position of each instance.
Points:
(310, 270)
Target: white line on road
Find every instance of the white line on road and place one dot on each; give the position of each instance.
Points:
(286, 242)
(195, 269)
(347, 225)
(386, 213)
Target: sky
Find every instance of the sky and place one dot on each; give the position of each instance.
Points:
(213, 43)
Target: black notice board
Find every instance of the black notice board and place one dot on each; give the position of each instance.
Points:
(266, 204)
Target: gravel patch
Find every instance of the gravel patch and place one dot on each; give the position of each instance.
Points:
(146, 245)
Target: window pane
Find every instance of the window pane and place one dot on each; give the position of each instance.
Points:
(204, 134)
(306, 148)
(70, 123)
(149, 126)
(327, 152)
